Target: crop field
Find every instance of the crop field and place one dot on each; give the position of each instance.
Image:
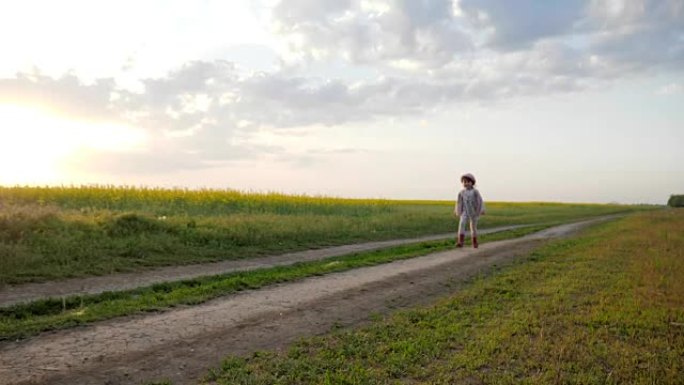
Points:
(57, 232)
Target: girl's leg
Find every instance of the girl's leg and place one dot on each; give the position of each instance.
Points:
(473, 231)
(461, 231)
(473, 227)
(463, 220)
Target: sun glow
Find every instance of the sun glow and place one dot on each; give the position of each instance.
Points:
(34, 145)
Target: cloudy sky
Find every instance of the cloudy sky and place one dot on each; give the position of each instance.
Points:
(574, 101)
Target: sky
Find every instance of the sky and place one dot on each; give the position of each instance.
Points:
(559, 100)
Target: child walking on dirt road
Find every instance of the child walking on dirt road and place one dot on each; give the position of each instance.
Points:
(469, 207)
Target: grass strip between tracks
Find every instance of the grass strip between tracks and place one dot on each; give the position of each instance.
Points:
(24, 320)
(606, 307)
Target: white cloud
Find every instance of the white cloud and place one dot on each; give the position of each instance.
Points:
(418, 36)
(670, 89)
(368, 31)
(519, 24)
(66, 95)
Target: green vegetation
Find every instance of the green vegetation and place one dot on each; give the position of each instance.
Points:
(59, 232)
(676, 201)
(29, 319)
(603, 308)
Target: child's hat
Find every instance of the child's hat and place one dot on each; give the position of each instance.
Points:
(468, 176)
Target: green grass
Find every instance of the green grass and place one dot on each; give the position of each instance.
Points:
(24, 320)
(603, 308)
(54, 233)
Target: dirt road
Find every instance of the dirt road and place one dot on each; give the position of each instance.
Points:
(183, 343)
(12, 294)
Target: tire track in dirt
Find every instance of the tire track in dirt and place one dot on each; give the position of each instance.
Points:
(182, 344)
(12, 294)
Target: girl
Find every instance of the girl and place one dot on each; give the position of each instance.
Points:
(469, 207)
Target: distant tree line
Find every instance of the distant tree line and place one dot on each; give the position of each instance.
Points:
(676, 201)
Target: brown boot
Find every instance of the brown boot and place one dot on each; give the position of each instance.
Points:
(461, 240)
(475, 242)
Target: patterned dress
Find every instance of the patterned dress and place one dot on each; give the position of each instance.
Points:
(469, 206)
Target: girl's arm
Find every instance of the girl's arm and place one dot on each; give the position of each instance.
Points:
(458, 210)
(480, 203)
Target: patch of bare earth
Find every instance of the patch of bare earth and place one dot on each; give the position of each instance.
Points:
(183, 343)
